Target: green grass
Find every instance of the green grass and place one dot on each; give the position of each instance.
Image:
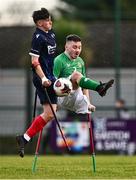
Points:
(68, 167)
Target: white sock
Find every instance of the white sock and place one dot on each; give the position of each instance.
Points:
(27, 137)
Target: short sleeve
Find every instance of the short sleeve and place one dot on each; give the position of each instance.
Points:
(83, 67)
(36, 45)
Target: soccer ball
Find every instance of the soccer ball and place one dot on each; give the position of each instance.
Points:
(62, 87)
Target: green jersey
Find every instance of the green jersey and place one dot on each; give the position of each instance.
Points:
(64, 66)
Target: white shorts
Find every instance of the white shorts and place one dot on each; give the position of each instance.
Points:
(76, 101)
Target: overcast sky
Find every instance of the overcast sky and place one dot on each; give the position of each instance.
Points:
(19, 17)
(49, 3)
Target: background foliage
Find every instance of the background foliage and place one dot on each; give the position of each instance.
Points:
(93, 20)
(96, 9)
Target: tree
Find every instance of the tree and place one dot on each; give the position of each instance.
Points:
(96, 9)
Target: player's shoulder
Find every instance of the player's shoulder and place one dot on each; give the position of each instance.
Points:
(80, 60)
(41, 35)
(37, 35)
(60, 57)
(52, 33)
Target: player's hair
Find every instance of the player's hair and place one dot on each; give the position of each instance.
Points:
(73, 37)
(40, 14)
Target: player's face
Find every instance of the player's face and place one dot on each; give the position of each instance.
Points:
(45, 24)
(73, 49)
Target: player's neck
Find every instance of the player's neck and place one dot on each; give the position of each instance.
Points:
(41, 28)
(66, 53)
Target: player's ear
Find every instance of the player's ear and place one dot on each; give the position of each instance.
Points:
(39, 23)
(66, 46)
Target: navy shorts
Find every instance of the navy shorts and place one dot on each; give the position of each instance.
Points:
(41, 91)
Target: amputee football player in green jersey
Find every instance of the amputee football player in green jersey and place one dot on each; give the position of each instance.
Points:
(69, 65)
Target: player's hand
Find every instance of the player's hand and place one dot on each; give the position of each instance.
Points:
(46, 82)
(91, 108)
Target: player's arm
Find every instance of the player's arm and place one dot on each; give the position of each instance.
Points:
(36, 65)
(90, 106)
(86, 92)
(35, 53)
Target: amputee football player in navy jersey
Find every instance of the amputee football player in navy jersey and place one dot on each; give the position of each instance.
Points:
(42, 56)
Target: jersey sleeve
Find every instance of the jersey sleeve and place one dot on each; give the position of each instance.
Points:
(57, 67)
(83, 68)
(84, 71)
(36, 45)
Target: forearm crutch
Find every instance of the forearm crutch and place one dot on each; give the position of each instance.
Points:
(39, 137)
(92, 150)
(36, 152)
(68, 148)
(35, 104)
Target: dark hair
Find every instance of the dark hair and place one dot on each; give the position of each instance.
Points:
(73, 37)
(40, 14)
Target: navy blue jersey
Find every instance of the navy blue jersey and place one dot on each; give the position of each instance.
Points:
(44, 47)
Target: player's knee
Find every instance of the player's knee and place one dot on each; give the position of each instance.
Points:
(48, 116)
(76, 76)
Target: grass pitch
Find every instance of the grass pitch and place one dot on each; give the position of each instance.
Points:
(68, 167)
